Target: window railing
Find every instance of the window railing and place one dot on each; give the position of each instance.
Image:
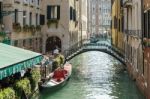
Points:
(135, 33)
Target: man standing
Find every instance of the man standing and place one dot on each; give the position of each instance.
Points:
(58, 60)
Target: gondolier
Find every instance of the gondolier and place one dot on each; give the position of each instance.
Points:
(58, 60)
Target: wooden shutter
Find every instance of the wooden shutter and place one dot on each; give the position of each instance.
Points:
(48, 12)
(74, 15)
(58, 12)
(148, 31)
(71, 11)
(42, 19)
(16, 15)
(1, 17)
(145, 25)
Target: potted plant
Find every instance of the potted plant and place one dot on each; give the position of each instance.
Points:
(34, 79)
(17, 27)
(38, 28)
(7, 93)
(2, 34)
(32, 29)
(146, 43)
(25, 28)
(23, 86)
(54, 21)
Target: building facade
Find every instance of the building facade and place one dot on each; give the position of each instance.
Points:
(133, 41)
(99, 16)
(117, 25)
(146, 44)
(61, 28)
(21, 20)
(43, 25)
(83, 34)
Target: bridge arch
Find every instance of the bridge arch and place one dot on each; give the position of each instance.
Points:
(87, 50)
(102, 47)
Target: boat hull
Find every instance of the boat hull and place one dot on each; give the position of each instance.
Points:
(43, 88)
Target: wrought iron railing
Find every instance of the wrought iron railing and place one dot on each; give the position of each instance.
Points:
(85, 45)
(135, 33)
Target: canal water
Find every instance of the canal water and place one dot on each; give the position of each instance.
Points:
(97, 75)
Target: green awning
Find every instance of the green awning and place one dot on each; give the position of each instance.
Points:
(13, 60)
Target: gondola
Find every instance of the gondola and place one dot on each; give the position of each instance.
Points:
(52, 84)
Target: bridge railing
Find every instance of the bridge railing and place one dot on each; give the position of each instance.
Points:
(75, 47)
(86, 43)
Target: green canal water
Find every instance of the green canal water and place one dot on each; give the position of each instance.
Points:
(97, 75)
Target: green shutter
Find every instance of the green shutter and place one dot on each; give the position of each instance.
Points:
(48, 12)
(58, 12)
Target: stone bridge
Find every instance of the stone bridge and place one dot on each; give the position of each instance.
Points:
(86, 45)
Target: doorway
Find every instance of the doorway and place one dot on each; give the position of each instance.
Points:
(53, 43)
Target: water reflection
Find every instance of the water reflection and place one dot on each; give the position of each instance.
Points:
(97, 75)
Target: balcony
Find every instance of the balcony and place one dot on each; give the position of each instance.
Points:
(17, 1)
(134, 33)
(128, 3)
(25, 2)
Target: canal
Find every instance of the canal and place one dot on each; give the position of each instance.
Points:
(97, 75)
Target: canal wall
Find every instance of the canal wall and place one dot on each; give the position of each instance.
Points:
(138, 78)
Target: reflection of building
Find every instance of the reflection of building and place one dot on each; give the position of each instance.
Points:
(146, 42)
(133, 41)
(61, 24)
(99, 17)
(117, 28)
(22, 21)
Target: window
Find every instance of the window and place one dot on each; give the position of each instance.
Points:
(1, 12)
(148, 31)
(24, 43)
(71, 13)
(24, 17)
(37, 23)
(30, 41)
(74, 15)
(38, 2)
(42, 19)
(115, 22)
(119, 27)
(16, 43)
(16, 15)
(53, 12)
(30, 16)
(145, 24)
